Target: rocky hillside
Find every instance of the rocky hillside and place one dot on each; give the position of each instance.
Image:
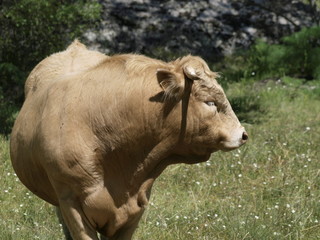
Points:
(209, 28)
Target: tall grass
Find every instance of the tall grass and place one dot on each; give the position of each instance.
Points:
(268, 189)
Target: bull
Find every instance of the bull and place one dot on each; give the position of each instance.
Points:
(95, 131)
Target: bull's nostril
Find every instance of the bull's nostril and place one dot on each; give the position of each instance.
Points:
(245, 136)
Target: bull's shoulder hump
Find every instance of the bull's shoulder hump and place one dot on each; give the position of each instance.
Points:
(76, 44)
(76, 58)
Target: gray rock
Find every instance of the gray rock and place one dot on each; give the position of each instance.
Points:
(209, 28)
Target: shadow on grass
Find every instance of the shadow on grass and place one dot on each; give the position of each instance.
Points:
(8, 113)
(248, 109)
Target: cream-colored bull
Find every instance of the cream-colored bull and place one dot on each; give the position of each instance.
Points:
(95, 132)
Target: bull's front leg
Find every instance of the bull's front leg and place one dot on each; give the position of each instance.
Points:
(66, 231)
(76, 221)
(126, 232)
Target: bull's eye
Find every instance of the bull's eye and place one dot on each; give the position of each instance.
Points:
(210, 104)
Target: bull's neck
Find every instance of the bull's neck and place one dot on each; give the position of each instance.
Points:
(128, 174)
(138, 151)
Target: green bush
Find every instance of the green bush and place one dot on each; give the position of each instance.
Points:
(265, 60)
(297, 55)
(33, 29)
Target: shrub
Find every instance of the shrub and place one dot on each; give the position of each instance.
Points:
(297, 55)
(33, 29)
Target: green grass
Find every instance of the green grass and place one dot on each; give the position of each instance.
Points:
(268, 189)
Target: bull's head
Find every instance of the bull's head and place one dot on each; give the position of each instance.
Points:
(208, 122)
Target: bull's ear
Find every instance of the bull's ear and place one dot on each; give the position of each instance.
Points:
(191, 73)
(170, 84)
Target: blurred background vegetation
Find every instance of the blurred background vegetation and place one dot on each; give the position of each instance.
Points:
(296, 55)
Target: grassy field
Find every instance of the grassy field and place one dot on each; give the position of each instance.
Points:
(268, 189)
